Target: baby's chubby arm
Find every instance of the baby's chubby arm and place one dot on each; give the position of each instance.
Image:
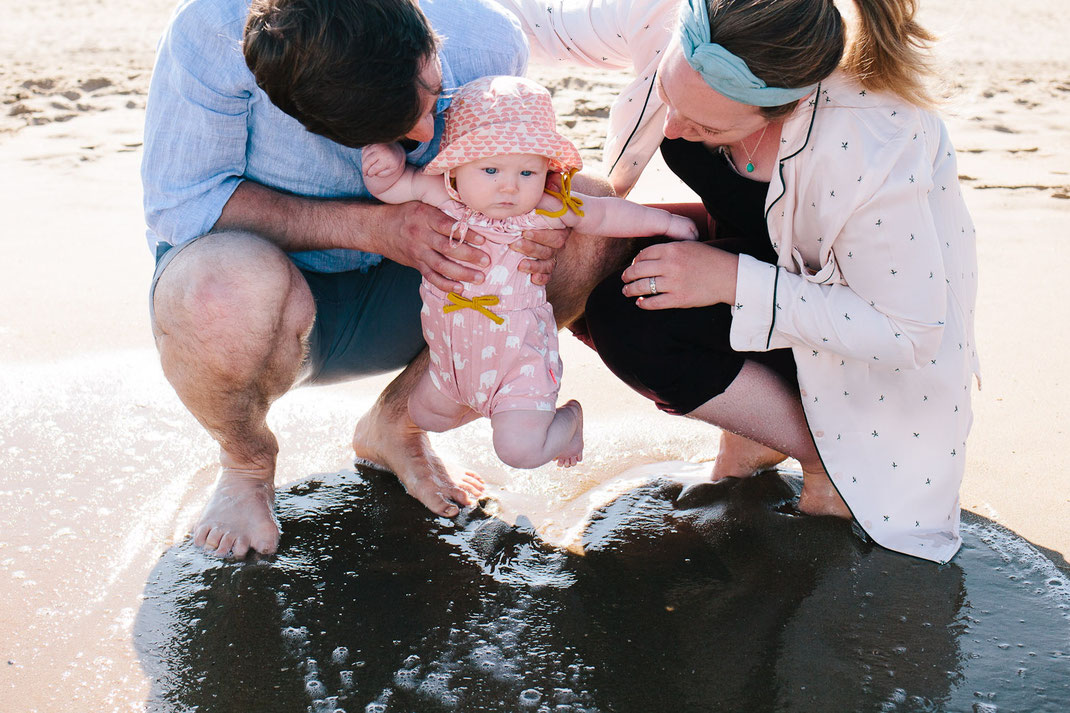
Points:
(619, 218)
(391, 180)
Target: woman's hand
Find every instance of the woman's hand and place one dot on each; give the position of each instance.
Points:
(680, 275)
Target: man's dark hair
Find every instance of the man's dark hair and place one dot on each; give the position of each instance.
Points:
(346, 69)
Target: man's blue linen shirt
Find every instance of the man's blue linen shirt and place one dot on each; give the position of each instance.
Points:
(208, 125)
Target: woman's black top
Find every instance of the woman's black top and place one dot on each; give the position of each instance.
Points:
(735, 202)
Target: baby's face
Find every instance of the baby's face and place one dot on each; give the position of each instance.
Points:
(502, 186)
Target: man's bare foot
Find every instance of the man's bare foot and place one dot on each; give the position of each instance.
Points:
(741, 457)
(240, 515)
(573, 452)
(402, 448)
(820, 497)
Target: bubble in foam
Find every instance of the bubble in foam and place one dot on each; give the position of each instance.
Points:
(345, 678)
(295, 634)
(407, 679)
(375, 707)
(435, 685)
(326, 705)
(530, 698)
(340, 655)
(315, 688)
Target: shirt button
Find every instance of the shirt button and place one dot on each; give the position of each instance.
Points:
(819, 434)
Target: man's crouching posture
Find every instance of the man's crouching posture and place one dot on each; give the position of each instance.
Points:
(273, 267)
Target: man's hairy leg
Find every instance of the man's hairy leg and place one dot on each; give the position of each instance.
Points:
(387, 436)
(232, 317)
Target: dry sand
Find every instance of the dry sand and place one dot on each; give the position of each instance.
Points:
(101, 468)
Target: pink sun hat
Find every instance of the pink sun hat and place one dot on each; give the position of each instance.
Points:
(495, 116)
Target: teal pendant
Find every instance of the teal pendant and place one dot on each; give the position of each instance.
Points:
(750, 167)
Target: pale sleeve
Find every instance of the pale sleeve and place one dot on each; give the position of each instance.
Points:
(889, 308)
(612, 34)
(196, 128)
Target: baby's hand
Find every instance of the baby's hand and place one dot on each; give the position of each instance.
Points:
(382, 160)
(681, 228)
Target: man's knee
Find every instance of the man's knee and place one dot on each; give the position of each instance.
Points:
(230, 277)
(232, 293)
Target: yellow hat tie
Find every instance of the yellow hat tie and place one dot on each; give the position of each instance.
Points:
(479, 304)
(565, 196)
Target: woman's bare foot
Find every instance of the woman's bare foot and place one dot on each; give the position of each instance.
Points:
(240, 516)
(820, 497)
(572, 453)
(741, 457)
(389, 438)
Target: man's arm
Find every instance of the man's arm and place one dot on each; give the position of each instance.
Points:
(413, 233)
(196, 141)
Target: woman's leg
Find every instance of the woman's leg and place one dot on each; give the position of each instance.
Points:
(682, 360)
(765, 411)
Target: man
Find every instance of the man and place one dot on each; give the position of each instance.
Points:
(272, 271)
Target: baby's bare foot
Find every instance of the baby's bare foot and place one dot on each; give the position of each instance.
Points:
(820, 497)
(573, 452)
(398, 445)
(240, 515)
(741, 457)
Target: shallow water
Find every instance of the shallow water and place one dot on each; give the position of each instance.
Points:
(691, 598)
(637, 587)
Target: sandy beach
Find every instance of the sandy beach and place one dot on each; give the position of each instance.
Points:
(102, 471)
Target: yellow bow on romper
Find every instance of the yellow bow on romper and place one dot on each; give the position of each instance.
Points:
(479, 304)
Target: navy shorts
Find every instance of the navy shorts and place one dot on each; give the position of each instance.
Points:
(367, 323)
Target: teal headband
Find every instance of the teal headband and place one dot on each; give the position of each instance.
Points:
(723, 71)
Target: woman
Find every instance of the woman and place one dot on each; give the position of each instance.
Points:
(831, 320)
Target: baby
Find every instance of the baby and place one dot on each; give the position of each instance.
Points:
(493, 346)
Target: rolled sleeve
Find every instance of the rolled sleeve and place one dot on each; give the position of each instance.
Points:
(196, 126)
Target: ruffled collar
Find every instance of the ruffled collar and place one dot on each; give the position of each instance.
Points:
(498, 230)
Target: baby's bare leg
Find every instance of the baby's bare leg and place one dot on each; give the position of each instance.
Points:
(432, 410)
(528, 439)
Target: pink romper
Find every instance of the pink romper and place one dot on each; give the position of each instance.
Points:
(475, 361)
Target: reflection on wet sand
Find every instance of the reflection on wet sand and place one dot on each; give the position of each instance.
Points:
(700, 597)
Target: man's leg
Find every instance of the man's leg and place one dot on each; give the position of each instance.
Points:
(231, 317)
(387, 436)
(584, 262)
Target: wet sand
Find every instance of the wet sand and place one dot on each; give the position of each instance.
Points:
(685, 596)
(102, 471)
